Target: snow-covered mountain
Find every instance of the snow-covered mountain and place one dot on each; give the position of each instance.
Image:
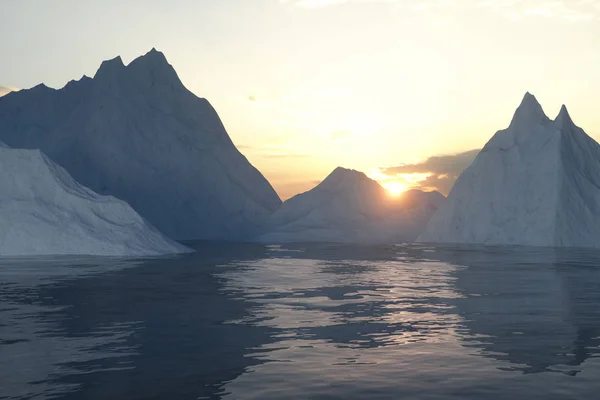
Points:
(349, 207)
(535, 183)
(44, 211)
(137, 133)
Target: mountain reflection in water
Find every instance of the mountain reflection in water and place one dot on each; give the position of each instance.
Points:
(304, 321)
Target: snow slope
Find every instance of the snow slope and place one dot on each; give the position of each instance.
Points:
(349, 207)
(137, 133)
(535, 183)
(44, 211)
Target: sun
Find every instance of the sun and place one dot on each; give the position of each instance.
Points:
(394, 188)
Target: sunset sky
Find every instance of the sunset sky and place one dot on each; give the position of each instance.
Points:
(400, 89)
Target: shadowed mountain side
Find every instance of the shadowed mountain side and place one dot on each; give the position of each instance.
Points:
(137, 133)
(349, 207)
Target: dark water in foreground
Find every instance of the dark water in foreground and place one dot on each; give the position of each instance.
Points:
(317, 322)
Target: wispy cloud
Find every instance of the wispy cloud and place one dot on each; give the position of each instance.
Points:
(437, 172)
(571, 10)
(443, 164)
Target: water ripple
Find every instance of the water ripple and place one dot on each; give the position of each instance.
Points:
(242, 321)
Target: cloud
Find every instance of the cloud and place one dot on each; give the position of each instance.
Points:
(443, 164)
(437, 172)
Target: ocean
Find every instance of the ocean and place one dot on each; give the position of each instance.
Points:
(304, 321)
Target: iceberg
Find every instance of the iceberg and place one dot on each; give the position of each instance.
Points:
(535, 183)
(44, 211)
(349, 207)
(135, 132)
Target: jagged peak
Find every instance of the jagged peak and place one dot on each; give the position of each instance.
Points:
(154, 56)
(41, 87)
(110, 67)
(152, 60)
(73, 82)
(153, 66)
(530, 104)
(529, 97)
(563, 118)
(529, 111)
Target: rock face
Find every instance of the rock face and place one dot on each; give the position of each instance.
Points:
(137, 133)
(535, 183)
(45, 212)
(349, 207)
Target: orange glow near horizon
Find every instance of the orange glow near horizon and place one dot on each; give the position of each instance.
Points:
(394, 188)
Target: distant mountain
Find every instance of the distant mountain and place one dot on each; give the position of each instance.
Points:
(352, 208)
(45, 212)
(535, 183)
(137, 133)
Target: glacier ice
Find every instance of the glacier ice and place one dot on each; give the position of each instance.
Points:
(44, 211)
(535, 183)
(349, 207)
(135, 132)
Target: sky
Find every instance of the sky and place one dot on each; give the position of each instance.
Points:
(403, 90)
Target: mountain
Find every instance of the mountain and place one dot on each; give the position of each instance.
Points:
(45, 211)
(349, 207)
(535, 183)
(135, 132)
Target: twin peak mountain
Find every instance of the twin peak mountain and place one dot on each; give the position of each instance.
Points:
(535, 183)
(136, 133)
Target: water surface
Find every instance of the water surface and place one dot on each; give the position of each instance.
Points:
(242, 321)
